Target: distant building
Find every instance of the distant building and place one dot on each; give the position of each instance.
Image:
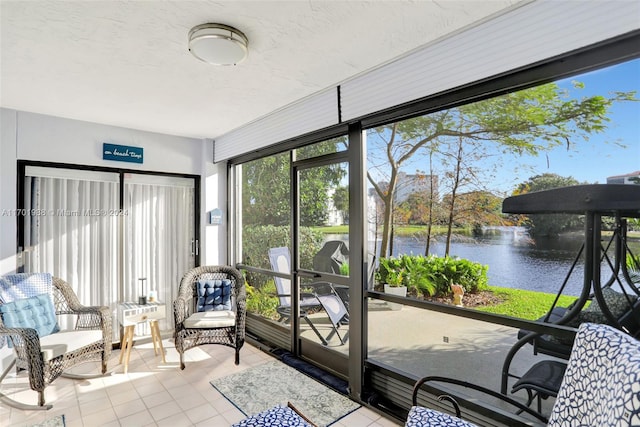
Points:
(630, 178)
(416, 183)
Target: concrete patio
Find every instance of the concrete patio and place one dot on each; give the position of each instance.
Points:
(423, 343)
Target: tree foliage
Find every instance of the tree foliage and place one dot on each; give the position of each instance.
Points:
(527, 122)
(549, 225)
(266, 187)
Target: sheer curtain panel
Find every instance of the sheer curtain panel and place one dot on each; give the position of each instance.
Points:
(71, 231)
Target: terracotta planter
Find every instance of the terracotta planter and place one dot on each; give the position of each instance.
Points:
(395, 290)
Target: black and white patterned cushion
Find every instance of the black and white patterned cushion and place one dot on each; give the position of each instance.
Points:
(601, 386)
(277, 416)
(420, 416)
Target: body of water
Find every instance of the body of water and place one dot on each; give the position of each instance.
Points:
(514, 259)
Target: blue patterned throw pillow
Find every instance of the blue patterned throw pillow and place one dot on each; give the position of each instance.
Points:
(214, 295)
(35, 312)
(25, 285)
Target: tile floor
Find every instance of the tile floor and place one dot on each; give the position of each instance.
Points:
(152, 393)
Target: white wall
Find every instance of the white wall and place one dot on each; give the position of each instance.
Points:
(215, 187)
(29, 136)
(8, 171)
(37, 137)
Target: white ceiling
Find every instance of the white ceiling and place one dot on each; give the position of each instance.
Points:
(127, 63)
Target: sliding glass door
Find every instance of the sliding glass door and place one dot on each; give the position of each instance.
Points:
(71, 230)
(159, 242)
(321, 262)
(102, 231)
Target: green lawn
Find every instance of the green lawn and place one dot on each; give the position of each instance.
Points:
(529, 305)
(399, 230)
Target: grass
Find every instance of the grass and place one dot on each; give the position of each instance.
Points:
(399, 230)
(524, 304)
(333, 229)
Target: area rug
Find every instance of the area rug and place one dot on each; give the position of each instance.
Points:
(57, 421)
(265, 386)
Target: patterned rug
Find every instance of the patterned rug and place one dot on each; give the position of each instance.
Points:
(265, 386)
(57, 421)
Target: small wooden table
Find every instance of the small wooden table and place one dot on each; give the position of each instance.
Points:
(129, 315)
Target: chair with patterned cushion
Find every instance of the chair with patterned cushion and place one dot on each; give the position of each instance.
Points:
(601, 386)
(30, 306)
(210, 309)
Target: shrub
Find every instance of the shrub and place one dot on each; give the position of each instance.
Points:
(263, 300)
(433, 275)
(257, 240)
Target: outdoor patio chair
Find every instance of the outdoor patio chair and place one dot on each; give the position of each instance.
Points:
(332, 256)
(210, 309)
(30, 306)
(624, 308)
(600, 385)
(323, 298)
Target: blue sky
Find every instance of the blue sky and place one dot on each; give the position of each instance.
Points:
(601, 156)
(616, 151)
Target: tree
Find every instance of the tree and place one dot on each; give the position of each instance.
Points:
(549, 225)
(417, 208)
(478, 208)
(341, 201)
(528, 122)
(266, 187)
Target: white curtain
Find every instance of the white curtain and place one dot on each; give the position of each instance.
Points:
(72, 232)
(77, 231)
(158, 237)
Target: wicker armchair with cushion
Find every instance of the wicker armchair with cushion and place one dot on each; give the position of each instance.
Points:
(210, 309)
(30, 305)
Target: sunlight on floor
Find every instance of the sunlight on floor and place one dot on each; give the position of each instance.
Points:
(152, 393)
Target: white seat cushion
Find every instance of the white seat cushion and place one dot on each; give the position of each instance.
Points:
(210, 319)
(62, 342)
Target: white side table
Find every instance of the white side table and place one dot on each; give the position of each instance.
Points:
(129, 315)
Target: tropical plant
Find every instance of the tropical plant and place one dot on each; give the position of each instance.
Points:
(432, 275)
(391, 272)
(344, 269)
(417, 273)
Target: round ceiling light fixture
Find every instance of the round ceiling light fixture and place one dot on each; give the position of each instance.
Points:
(218, 44)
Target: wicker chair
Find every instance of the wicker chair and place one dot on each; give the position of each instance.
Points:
(46, 358)
(194, 328)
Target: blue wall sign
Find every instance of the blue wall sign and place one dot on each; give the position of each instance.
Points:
(121, 153)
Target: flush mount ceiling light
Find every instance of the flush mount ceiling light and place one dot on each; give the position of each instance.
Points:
(218, 44)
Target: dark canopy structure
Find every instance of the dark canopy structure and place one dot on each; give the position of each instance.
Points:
(616, 301)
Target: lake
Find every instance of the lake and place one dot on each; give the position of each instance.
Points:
(514, 259)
